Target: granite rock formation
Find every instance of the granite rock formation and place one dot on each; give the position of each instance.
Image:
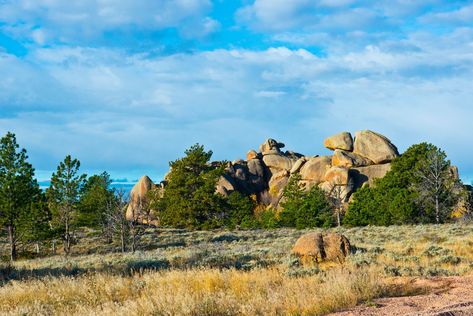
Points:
(354, 163)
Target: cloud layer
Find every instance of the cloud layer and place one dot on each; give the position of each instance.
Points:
(296, 71)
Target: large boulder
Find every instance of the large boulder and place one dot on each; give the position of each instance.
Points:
(342, 141)
(256, 168)
(319, 247)
(237, 175)
(270, 146)
(337, 175)
(346, 159)
(276, 184)
(315, 168)
(279, 162)
(256, 173)
(298, 165)
(375, 147)
(225, 185)
(136, 209)
(368, 174)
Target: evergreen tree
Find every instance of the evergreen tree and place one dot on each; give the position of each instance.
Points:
(240, 211)
(436, 187)
(63, 197)
(18, 188)
(189, 198)
(397, 198)
(94, 197)
(292, 201)
(303, 209)
(35, 223)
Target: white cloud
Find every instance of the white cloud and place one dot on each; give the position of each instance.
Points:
(341, 16)
(269, 94)
(76, 21)
(463, 15)
(321, 15)
(118, 111)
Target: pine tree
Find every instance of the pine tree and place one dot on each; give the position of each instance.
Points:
(408, 192)
(293, 200)
(240, 211)
(34, 225)
(18, 188)
(303, 209)
(63, 197)
(189, 198)
(436, 186)
(94, 197)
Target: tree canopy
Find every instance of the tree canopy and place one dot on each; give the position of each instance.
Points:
(189, 199)
(19, 190)
(399, 197)
(304, 209)
(63, 197)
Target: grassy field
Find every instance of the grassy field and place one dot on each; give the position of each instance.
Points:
(181, 272)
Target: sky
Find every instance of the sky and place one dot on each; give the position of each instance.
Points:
(126, 86)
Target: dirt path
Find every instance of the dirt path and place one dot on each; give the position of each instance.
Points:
(448, 296)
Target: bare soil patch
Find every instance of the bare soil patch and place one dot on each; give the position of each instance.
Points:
(447, 296)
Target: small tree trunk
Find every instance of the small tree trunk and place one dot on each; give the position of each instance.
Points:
(122, 239)
(37, 247)
(54, 247)
(339, 221)
(133, 244)
(437, 210)
(12, 241)
(67, 239)
(66, 244)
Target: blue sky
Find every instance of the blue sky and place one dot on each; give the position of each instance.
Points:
(126, 86)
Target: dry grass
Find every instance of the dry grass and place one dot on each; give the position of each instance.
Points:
(181, 272)
(194, 292)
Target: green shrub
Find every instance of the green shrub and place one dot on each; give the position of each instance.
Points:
(303, 209)
(396, 198)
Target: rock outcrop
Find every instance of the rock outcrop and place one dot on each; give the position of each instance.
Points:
(317, 247)
(264, 174)
(138, 202)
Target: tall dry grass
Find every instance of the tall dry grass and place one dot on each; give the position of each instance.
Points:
(194, 292)
(179, 272)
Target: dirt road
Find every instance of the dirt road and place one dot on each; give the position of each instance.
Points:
(447, 296)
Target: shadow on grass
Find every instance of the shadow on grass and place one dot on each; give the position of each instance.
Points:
(132, 267)
(10, 273)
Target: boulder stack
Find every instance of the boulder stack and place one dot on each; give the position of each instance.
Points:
(265, 173)
(354, 162)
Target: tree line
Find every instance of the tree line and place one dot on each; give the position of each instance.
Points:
(420, 188)
(29, 215)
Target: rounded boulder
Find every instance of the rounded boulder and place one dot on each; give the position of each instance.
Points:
(319, 247)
